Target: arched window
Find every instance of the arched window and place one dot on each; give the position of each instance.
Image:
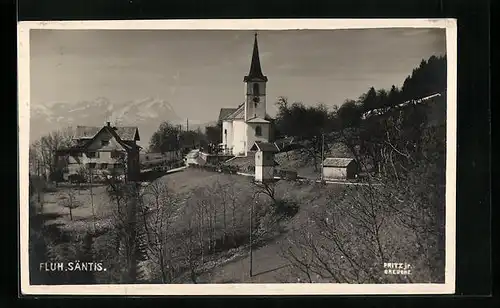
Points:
(225, 131)
(258, 131)
(256, 89)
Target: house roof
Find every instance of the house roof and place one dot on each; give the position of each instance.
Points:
(126, 133)
(83, 131)
(265, 147)
(126, 144)
(337, 162)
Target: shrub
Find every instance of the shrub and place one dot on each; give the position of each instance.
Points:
(76, 178)
(285, 208)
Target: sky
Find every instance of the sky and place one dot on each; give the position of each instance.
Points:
(199, 72)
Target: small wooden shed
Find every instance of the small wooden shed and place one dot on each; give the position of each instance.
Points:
(340, 168)
(264, 160)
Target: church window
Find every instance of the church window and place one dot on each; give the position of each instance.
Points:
(258, 131)
(255, 89)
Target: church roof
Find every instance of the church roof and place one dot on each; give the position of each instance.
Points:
(225, 112)
(233, 113)
(255, 69)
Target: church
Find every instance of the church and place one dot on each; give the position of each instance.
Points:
(249, 122)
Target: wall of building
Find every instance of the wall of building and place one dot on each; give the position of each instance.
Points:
(264, 173)
(250, 110)
(227, 139)
(264, 159)
(103, 160)
(335, 173)
(348, 172)
(265, 127)
(239, 137)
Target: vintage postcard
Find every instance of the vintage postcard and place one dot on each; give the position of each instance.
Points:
(237, 157)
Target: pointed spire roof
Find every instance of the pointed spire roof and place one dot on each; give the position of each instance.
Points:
(255, 69)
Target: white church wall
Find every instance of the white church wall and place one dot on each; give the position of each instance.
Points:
(251, 110)
(249, 87)
(265, 129)
(239, 137)
(227, 139)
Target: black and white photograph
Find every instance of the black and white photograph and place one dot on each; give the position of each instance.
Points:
(237, 157)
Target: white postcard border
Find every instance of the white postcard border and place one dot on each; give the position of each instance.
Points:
(240, 289)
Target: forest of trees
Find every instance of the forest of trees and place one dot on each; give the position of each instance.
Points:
(345, 125)
(170, 137)
(399, 213)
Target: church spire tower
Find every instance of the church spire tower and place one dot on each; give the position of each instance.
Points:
(255, 72)
(255, 87)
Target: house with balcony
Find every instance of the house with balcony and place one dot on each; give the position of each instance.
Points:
(98, 152)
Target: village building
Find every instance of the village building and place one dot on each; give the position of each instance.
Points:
(339, 169)
(249, 122)
(102, 151)
(264, 160)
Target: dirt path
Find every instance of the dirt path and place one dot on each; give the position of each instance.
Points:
(268, 267)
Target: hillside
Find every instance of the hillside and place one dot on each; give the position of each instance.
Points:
(232, 266)
(197, 189)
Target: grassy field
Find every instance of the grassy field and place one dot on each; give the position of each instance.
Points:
(82, 215)
(232, 266)
(268, 265)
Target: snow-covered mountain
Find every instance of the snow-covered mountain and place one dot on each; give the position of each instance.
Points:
(146, 113)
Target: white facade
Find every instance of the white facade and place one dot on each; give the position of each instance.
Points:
(264, 161)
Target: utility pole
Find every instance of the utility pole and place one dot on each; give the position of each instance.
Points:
(39, 181)
(322, 153)
(92, 199)
(251, 239)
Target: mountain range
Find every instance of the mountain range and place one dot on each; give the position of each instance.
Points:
(147, 114)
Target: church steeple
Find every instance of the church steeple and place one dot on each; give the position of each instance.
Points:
(255, 72)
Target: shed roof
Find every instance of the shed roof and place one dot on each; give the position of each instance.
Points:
(264, 147)
(337, 162)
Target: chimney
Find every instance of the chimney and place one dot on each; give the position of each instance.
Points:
(108, 124)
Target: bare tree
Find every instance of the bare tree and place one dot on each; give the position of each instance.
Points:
(267, 188)
(70, 201)
(128, 231)
(43, 151)
(158, 215)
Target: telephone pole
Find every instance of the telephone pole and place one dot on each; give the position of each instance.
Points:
(92, 199)
(322, 153)
(251, 239)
